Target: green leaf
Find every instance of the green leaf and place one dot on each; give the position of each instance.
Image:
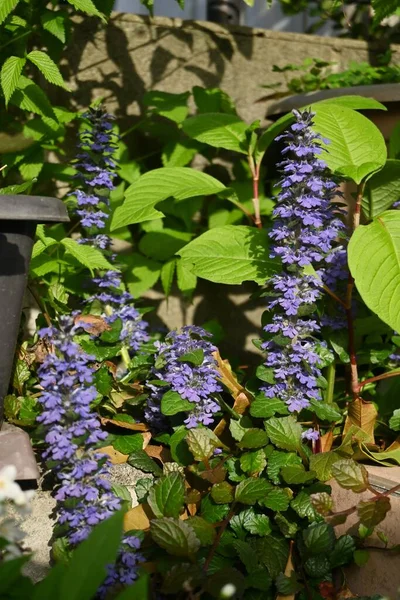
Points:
(287, 528)
(140, 460)
(54, 22)
(251, 490)
(87, 7)
(128, 443)
(172, 403)
(253, 462)
(213, 512)
(350, 475)
(394, 421)
(319, 538)
(187, 281)
(47, 67)
(88, 256)
(87, 568)
(277, 460)
(297, 474)
(374, 262)
(322, 502)
(175, 536)
(213, 100)
(167, 496)
(231, 255)
(203, 530)
(317, 567)
(322, 464)
(361, 557)
(182, 576)
(195, 357)
(162, 245)
(10, 74)
(382, 190)
(179, 153)
(6, 7)
(246, 554)
(179, 448)
(284, 432)
(372, 513)
(171, 106)
(141, 274)
(342, 552)
(326, 412)
(257, 524)
(277, 500)
(263, 407)
(100, 352)
(167, 276)
(357, 147)
(272, 552)
(383, 9)
(219, 130)
(254, 438)
(30, 97)
(202, 443)
(154, 186)
(288, 585)
(222, 493)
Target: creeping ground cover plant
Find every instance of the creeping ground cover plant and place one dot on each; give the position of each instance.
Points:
(234, 464)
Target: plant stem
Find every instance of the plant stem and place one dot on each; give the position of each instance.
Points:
(354, 386)
(217, 540)
(379, 378)
(255, 171)
(330, 377)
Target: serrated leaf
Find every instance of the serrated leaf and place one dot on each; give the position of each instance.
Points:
(54, 22)
(273, 552)
(383, 9)
(284, 432)
(218, 130)
(195, 357)
(172, 403)
(187, 280)
(6, 7)
(213, 512)
(47, 67)
(325, 412)
(296, 474)
(322, 464)
(374, 262)
(382, 190)
(350, 475)
(263, 407)
(167, 496)
(10, 74)
(140, 460)
(342, 552)
(277, 500)
(372, 513)
(357, 147)
(87, 7)
(88, 256)
(277, 460)
(160, 184)
(247, 555)
(230, 254)
(287, 528)
(128, 443)
(202, 443)
(319, 538)
(322, 502)
(254, 438)
(30, 97)
(253, 462)
(203, 529)
(222, 493)
(251, 490)
(175, 536)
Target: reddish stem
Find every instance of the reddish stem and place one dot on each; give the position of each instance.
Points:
(378, 378)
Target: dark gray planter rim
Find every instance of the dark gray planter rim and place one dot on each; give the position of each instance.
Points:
(383, 92)
(39, 209)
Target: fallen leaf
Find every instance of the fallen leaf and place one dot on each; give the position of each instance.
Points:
(229, 379)
(93, 324)
(159, 453)
(326, 441)
(138, 518)
(363, 415)
(216, 475)
(124, 425)
(116, 457)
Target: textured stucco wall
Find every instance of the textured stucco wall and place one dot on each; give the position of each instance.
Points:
(134, 53)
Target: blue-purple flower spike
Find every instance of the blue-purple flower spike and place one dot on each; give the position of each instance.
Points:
(96, 167)
(305, 232)
(196, 383)
(72, 433)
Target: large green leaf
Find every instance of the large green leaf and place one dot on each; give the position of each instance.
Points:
(354, 102)
(230, 254)
(10, 74)
(90, 257)
(160, 184)
(167, 496)
(357, 147)
(30, 97)
(382, 189)
(219, 130)
(374, 261)
(47, 67)
(6, 6)
(284, 432)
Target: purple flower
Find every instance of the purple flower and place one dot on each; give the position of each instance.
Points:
(305, 232)
(310, 434)
(72, 432)
(194, 380)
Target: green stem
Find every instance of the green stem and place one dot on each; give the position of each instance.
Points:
(330, 377)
